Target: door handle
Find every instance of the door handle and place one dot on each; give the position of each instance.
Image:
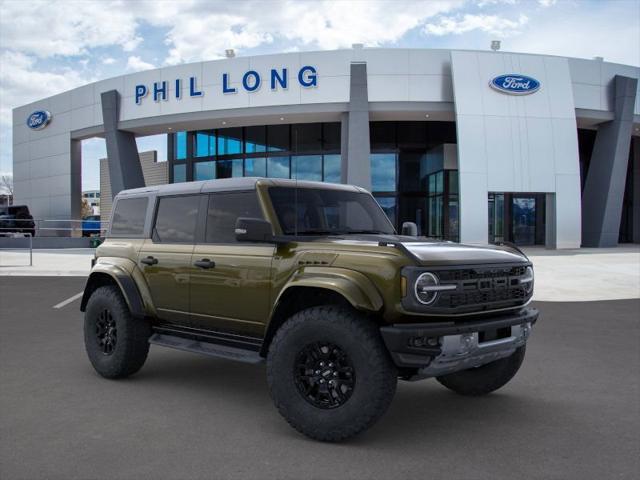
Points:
(149, 260)
(205, 263)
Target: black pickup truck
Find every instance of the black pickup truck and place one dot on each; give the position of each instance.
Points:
(16, 219)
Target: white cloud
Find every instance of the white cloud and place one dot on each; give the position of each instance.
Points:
(203, 30)
(22, 83)
(135, 64)
(547, 3)
(484, 3)
(108, 61)
(66, 28)
(584, 34)
(491, 24)
(198, 29)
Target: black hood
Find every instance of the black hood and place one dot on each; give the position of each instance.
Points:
(442, 253)
(436, 252)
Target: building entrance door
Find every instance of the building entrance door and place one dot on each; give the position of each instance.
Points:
(517, 218)
(523, 220)
(496, 218)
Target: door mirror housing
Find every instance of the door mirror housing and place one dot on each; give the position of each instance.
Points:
(254, 230)
(410, 229)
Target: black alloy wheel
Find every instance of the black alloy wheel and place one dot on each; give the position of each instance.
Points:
(329, 372)
(324, 375)
(117, 344)
(106, 332)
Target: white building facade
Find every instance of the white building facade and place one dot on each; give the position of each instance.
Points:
(473, 146)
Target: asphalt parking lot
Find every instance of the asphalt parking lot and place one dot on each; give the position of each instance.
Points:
(573, 411)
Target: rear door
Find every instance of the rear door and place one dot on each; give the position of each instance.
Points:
(165, 259)
(230, 289)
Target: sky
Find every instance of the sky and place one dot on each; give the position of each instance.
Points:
(47, 47)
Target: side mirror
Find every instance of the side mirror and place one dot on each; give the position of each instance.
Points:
(409, 229)
(253, 230)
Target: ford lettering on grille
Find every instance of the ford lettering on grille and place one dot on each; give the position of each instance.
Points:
(480, 288)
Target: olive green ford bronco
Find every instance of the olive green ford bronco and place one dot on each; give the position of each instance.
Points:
(312, 279)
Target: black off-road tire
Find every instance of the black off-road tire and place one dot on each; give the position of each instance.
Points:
(127, 353)
(374, 374)
(485, 379)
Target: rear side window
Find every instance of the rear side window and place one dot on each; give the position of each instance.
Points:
(176, 219)
(128, 217)
(224, 210)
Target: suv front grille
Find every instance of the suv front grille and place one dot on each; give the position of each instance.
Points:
(474, 274)
(479, 287)
(477, 298)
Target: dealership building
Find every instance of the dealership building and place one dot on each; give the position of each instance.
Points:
(473, 146)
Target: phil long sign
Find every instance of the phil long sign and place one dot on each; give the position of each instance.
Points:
(251, 81)
(515, 84)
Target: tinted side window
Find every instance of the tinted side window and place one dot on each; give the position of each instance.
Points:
(128, 216)
(224, 210)
(176, 219)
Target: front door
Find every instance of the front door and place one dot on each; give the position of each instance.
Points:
(165, 259)
(230, 281)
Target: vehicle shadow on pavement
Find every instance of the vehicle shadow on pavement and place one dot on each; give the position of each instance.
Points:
(205, 376)
(418, 411)
(429, 410)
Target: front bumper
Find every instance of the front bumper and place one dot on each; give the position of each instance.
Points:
(434, 349)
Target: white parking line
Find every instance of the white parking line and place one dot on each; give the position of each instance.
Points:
(66, 302)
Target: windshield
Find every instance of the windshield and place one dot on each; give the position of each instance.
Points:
(317, 211)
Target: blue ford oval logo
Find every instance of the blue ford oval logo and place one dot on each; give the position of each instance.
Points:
(38, 120)
(515, 84)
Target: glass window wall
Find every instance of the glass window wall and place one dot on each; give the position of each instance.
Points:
(230, 141)
(205, 144)
(332, 168)
(408, 177)
(306, 137)
(306, 167)
(204, 170)
(383, 172)
(278, 167)
(255, 167)
(255, 139)
(180, 146)
(278, 138)
(229, 168)
(179, 173)
(258, 151)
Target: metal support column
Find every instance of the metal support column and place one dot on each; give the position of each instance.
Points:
(125, 170)
(356, 165)
(604, 188)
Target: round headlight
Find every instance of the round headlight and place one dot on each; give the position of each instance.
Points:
(527, 280)
(424, 288)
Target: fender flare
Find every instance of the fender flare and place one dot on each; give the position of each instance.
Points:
(354, 286)
(123, 279)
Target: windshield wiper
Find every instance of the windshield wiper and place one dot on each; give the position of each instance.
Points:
(338, 232)
(372, 232)
(318, 232)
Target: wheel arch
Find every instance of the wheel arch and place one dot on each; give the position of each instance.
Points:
(321, 286)
(112, 275)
